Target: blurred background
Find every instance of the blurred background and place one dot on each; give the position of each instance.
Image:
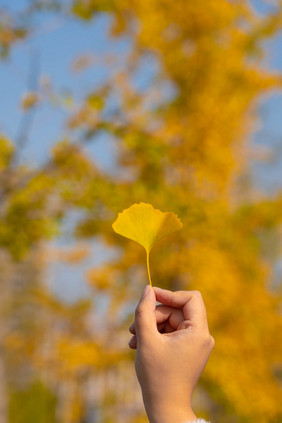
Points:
(105, 103)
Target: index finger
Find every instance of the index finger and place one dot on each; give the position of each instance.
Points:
(191, 303)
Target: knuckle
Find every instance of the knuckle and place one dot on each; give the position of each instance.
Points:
(206, 339)
(197, 293)
(212, 341)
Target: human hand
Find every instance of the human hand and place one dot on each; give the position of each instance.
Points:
(173, 346)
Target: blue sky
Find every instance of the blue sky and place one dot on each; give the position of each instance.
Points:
(56, 49)
(57, 43)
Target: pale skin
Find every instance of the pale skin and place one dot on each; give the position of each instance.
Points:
(173, 345)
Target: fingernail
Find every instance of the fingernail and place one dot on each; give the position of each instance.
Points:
(131, 341)
(146, 291)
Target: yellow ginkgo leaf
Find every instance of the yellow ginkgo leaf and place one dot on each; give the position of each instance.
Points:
(146, 225)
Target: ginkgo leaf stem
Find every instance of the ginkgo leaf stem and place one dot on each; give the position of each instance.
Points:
(148, 268)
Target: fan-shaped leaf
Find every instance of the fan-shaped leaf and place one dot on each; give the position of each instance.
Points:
(146, 225)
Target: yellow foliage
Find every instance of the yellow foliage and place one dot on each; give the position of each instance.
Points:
(183, 145)
(6, 152)
(76, 354)
(10, 32)
(146, 225)
(98, 279)
(190, 162)
(73, 255)
(30, 100)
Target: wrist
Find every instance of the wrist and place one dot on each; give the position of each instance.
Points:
(173, 414)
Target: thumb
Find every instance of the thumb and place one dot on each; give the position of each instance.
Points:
(145, 317)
